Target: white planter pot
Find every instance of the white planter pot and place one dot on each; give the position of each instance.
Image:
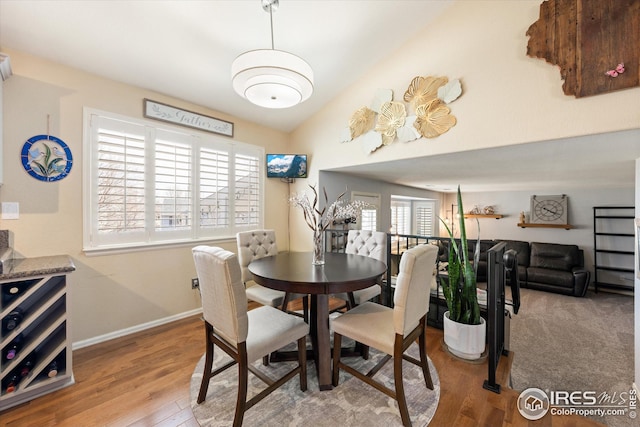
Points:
(465, 341)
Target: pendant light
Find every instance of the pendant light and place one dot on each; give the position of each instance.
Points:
(272, 78)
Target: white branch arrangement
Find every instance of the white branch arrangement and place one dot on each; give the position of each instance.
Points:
(320, 220)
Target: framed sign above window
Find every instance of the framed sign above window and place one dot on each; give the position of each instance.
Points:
(167, 113)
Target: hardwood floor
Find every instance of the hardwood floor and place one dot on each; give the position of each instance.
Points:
(143, 380)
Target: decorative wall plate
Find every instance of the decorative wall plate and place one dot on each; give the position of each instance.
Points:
(46, 158)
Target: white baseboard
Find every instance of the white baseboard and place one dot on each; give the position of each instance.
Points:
(133, 329)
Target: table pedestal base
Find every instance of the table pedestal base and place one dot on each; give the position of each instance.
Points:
(320, 339)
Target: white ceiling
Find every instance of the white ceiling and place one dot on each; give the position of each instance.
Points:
(593, 161)
(185, 49)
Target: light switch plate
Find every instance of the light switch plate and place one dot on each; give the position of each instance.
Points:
(10, 210)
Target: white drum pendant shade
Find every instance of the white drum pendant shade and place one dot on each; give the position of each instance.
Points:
(272, 78)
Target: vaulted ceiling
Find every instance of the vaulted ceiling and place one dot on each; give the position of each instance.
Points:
(185, 49)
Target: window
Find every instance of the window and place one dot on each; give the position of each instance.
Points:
(401, 216)
(146, 184)
(369, 217)
(413, 216)
(424, 217)
(368, 220)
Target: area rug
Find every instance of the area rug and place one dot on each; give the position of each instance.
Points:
(352, 403)
(574, 344)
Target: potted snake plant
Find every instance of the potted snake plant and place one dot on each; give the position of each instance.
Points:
(464, 329)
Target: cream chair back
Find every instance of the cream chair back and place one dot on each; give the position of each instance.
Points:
(254, 244)
(411, 298)
(224, 301)
(367, 243)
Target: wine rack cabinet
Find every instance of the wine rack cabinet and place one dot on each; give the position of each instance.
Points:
(42, 332)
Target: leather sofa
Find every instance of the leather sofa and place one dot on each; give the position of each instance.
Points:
(485, 245)
(550, 267)
(557, 268)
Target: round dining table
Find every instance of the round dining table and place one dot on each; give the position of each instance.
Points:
(293, 272)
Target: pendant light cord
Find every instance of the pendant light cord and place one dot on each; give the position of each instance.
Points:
(271, 18)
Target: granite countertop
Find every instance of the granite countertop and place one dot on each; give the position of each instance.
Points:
(19, 268)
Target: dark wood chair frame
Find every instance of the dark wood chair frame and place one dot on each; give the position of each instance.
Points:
(401, 344)
(239, 357)
(283, 307)
(305, 307)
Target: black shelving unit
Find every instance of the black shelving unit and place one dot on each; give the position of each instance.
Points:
(613, 238)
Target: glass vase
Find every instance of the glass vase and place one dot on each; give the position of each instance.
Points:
(318, 247)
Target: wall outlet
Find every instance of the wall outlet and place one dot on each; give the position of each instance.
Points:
(195, 283)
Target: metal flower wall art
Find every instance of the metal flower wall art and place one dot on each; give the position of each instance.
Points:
(386, 121)
(391, 118)
(362, 121)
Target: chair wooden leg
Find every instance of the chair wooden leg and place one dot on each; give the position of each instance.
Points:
(337, 342)
(302, 360)
(208, 363)
(285, 301)
(399, 385)
(305, 309)
(243, 379)
(365, 352)
(351, 301)
(424, 362)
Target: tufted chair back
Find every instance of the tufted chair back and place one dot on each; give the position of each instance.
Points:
(254, 244)
(367, 243)
(411, 298)
(224, 302)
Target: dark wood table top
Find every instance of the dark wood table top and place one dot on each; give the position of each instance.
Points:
(293, 272)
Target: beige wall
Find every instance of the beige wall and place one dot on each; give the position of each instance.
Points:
(508, 98)
(109, 292)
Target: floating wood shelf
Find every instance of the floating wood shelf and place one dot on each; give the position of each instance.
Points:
(525, 225)
(483, 216)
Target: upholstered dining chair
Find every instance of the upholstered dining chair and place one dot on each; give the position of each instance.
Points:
(367, 243)
(392, 330)
(244, 335)
(256, 244)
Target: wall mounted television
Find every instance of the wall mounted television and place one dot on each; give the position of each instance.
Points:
(286, 165)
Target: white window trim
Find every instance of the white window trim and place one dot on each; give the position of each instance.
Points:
(236, 147)
(413, 203)
(405, 205)
(374, 199)
(431, 205)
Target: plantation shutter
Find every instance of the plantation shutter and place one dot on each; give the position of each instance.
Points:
(152, 185)
(119, 192)
(425, 218)
(214, 188)
(369, 217)
(173, 183)
(401, 216)
(247, 185)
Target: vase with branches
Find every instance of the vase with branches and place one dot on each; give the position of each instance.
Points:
(319, 220)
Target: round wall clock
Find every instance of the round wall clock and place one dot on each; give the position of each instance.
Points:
(46, 158)
(549, 209)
